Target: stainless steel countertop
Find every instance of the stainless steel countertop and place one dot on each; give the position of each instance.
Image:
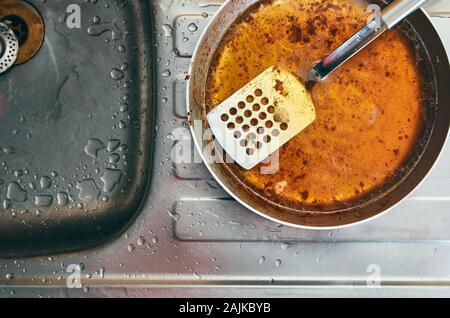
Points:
(191, 239)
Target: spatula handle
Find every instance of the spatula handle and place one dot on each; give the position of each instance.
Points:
(389, 17)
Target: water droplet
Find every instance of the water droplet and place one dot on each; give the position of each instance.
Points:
(110, 179)
(168, 30)
(117, 74)
(62, 199)
(113, 144)
(141, 241)
(6, 204)
(43, 200)
(9, 150)
(114, 158)
(88, 190)
(93, 147)
(102, 272)
(124, 107)
(45, 182)
(15, 193)
(18, 173)
(122, 124)
(101, 28)
(192, 27)
(166, 73)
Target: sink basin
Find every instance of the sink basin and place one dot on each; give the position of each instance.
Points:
(76, 129)
(188, 238)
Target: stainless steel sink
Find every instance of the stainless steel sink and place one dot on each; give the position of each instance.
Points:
(76, 127)
(188, 237)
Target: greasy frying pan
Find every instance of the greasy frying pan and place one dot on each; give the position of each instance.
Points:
(431, 49)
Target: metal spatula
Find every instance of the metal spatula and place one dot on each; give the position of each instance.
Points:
(262, 116)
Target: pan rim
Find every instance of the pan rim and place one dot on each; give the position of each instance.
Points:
(406, 193)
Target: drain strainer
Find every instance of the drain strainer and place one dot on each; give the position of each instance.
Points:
(27, 24)
(9, 48)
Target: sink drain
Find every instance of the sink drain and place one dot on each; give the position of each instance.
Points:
(9, 48)
(19, 27)
(26, 23)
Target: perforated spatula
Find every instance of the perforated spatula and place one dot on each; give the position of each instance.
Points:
(262, 116)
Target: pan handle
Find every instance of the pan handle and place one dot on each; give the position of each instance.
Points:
(398, 10)
(390, 17)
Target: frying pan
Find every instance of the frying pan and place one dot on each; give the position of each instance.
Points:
(419, 27)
